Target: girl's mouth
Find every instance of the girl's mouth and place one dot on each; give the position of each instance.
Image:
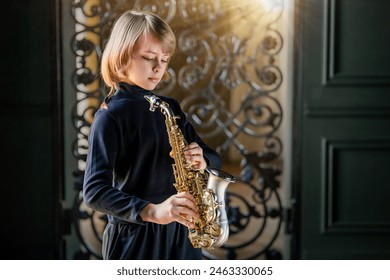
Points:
(154, 80)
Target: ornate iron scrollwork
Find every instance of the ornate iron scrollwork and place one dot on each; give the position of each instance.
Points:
(225, 78)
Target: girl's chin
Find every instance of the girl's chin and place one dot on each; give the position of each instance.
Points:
(148, 87)
(151, 85)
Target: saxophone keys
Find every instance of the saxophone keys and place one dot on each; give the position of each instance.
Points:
(216, 230)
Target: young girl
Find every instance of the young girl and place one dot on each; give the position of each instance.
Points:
(129, 172)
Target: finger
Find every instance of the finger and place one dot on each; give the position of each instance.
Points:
(185, 199)
(186, 203)
(195, 165)
(189, 207)
(194, 152)
(185, 195)
(196, 158)
(193, 159)
(187, 213)
(187, 219)
(192, 146)
(185, 222)
(196, 162)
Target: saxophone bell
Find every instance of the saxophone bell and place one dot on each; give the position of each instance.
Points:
(220, 174)
(218, 181)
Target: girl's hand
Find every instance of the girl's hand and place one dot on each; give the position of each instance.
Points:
(194, 156)
(177, 208)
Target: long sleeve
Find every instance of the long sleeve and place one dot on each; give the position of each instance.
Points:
(98, 191)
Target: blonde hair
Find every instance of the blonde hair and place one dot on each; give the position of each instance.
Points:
(129, 28)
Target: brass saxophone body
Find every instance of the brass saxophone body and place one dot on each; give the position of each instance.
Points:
(207, 187)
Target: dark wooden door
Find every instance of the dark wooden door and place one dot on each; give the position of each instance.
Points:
(31, 132)
(342, 130)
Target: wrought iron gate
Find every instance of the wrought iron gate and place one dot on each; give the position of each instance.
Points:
(226, 76)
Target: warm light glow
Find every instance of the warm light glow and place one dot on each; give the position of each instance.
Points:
(268, 5)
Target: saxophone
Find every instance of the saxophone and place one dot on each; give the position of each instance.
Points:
(207, 187)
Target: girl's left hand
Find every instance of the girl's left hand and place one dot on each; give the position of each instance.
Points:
(194, 156)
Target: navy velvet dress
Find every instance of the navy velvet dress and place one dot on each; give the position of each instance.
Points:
(128, 166)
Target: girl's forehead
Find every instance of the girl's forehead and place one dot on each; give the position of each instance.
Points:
(149, 43)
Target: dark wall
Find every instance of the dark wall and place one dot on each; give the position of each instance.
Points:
(30, 166)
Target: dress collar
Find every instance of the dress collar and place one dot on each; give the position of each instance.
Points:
(133, 90)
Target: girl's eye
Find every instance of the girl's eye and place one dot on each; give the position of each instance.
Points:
(152, 59)
(148, 59)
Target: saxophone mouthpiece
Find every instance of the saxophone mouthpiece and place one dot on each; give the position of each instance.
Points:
(154, 102)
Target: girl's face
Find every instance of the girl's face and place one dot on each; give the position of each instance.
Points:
(148, 63)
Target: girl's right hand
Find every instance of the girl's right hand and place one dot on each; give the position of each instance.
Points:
(179, 208)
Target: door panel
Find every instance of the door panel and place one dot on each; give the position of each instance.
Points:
(343, 130)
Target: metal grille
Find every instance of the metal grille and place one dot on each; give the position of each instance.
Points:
(226, 76)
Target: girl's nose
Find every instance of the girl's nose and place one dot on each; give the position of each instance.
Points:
(157, 67)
